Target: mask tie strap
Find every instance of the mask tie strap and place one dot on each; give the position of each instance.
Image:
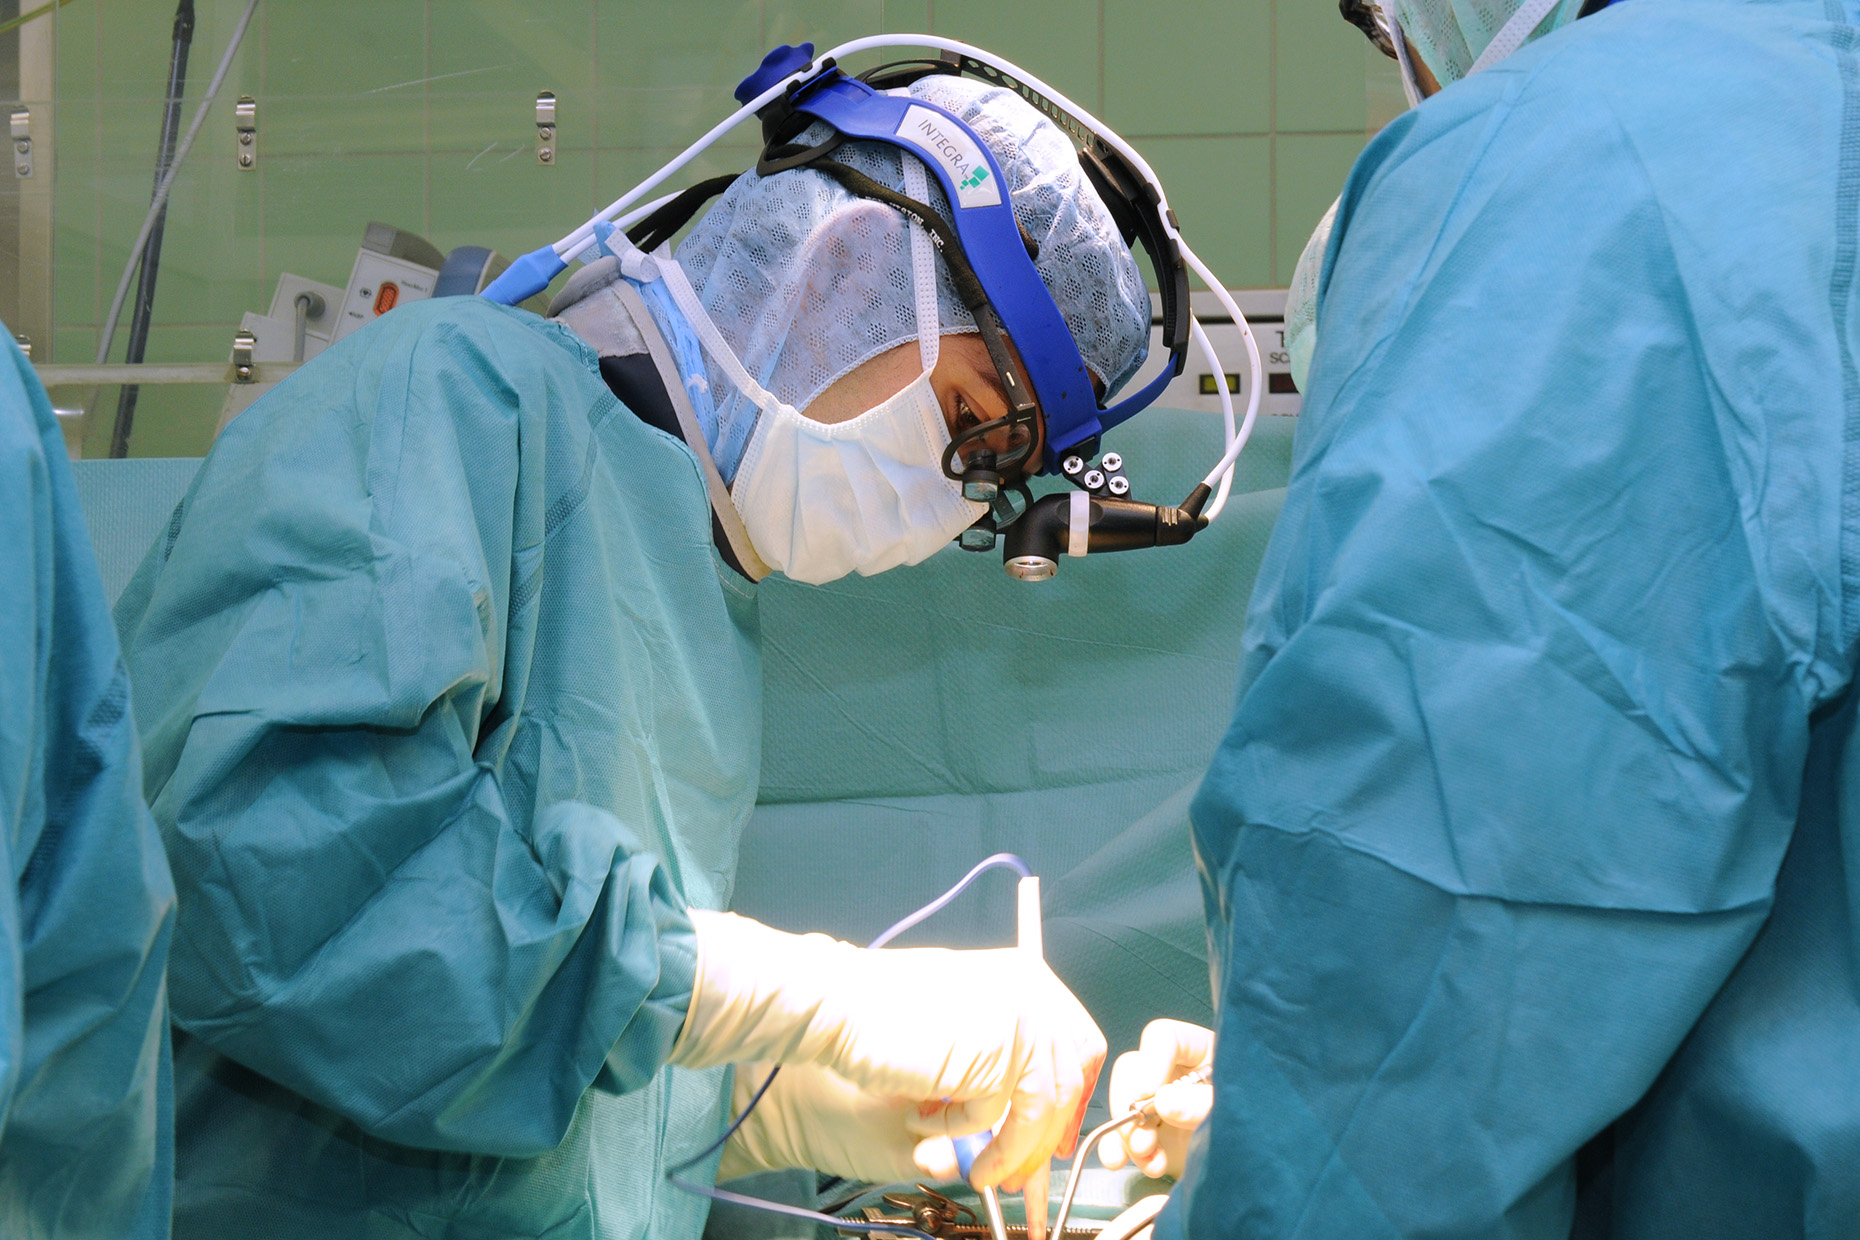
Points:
(923, 265)
(664, 268)
(1513, 34)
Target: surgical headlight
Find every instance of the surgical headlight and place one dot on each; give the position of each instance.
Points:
(1042, 374)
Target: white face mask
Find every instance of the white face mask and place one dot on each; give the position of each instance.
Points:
(821, 500)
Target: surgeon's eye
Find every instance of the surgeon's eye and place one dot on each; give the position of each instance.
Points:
(965, 420)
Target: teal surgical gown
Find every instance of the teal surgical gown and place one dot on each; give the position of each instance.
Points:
(1532, 853)
(450, 710)
(87, 908)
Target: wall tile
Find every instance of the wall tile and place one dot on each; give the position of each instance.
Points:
(420, 113)
(509, 202)
(1057, 43)
(1311, 169)
(1201, 68)
(171, 419)
(329, 125)
(1320, 63)
(339, 48)
(1220, 189)
(907, 16)
(823, 23)
(211, 262)
(313, 221)
(490, 58)
(665, 75)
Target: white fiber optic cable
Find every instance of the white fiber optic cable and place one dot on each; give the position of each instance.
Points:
(1256, 370)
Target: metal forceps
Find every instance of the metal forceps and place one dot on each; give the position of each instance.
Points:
(1145, 1108)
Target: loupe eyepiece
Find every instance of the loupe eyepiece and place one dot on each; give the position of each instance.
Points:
(981, 481)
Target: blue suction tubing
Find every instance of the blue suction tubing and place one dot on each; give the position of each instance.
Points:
(526, 277)
(968, 1149)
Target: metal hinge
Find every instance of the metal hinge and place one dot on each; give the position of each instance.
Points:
(545, 127)
(245, 128)
(244, 345)
(22, 141)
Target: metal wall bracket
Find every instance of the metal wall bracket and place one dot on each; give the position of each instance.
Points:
(545, 127)
(245, 126)
(22, 141)
(244, 345)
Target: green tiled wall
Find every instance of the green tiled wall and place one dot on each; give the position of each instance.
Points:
(420, 113)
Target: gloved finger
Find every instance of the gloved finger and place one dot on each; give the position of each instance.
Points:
(956, 1119)
(1168, 1049)
(1076, 1063)
(1142, 1141)
(1094, 1064)
(1111, 1151)
(1040, 1104)
(1156, 1164)
(1184, 1103)
(936, 1158)
(1136, 1075)
(1184, 1045)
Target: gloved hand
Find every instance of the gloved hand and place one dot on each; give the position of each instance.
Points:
(812, 1118)
(1168, 1051)
(965, 1035)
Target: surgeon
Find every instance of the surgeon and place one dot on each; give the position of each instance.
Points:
(87, 905)
(1530, 853)
(448, 678)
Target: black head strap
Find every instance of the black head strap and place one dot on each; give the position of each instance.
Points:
(659, 227)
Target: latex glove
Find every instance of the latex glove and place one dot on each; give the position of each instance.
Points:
(1136, 1222)
(966, 1035)
(813, 1118)
(1168, 1051)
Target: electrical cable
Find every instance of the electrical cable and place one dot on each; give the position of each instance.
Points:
(167, 184)
(151, 258)
(998, 860)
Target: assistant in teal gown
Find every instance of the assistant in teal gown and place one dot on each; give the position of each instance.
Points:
(450, 710)
(87, 908)
(1532, 853)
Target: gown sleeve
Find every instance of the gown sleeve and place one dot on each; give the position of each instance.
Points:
(1530, 665)
(86, 906)
(372, 915)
